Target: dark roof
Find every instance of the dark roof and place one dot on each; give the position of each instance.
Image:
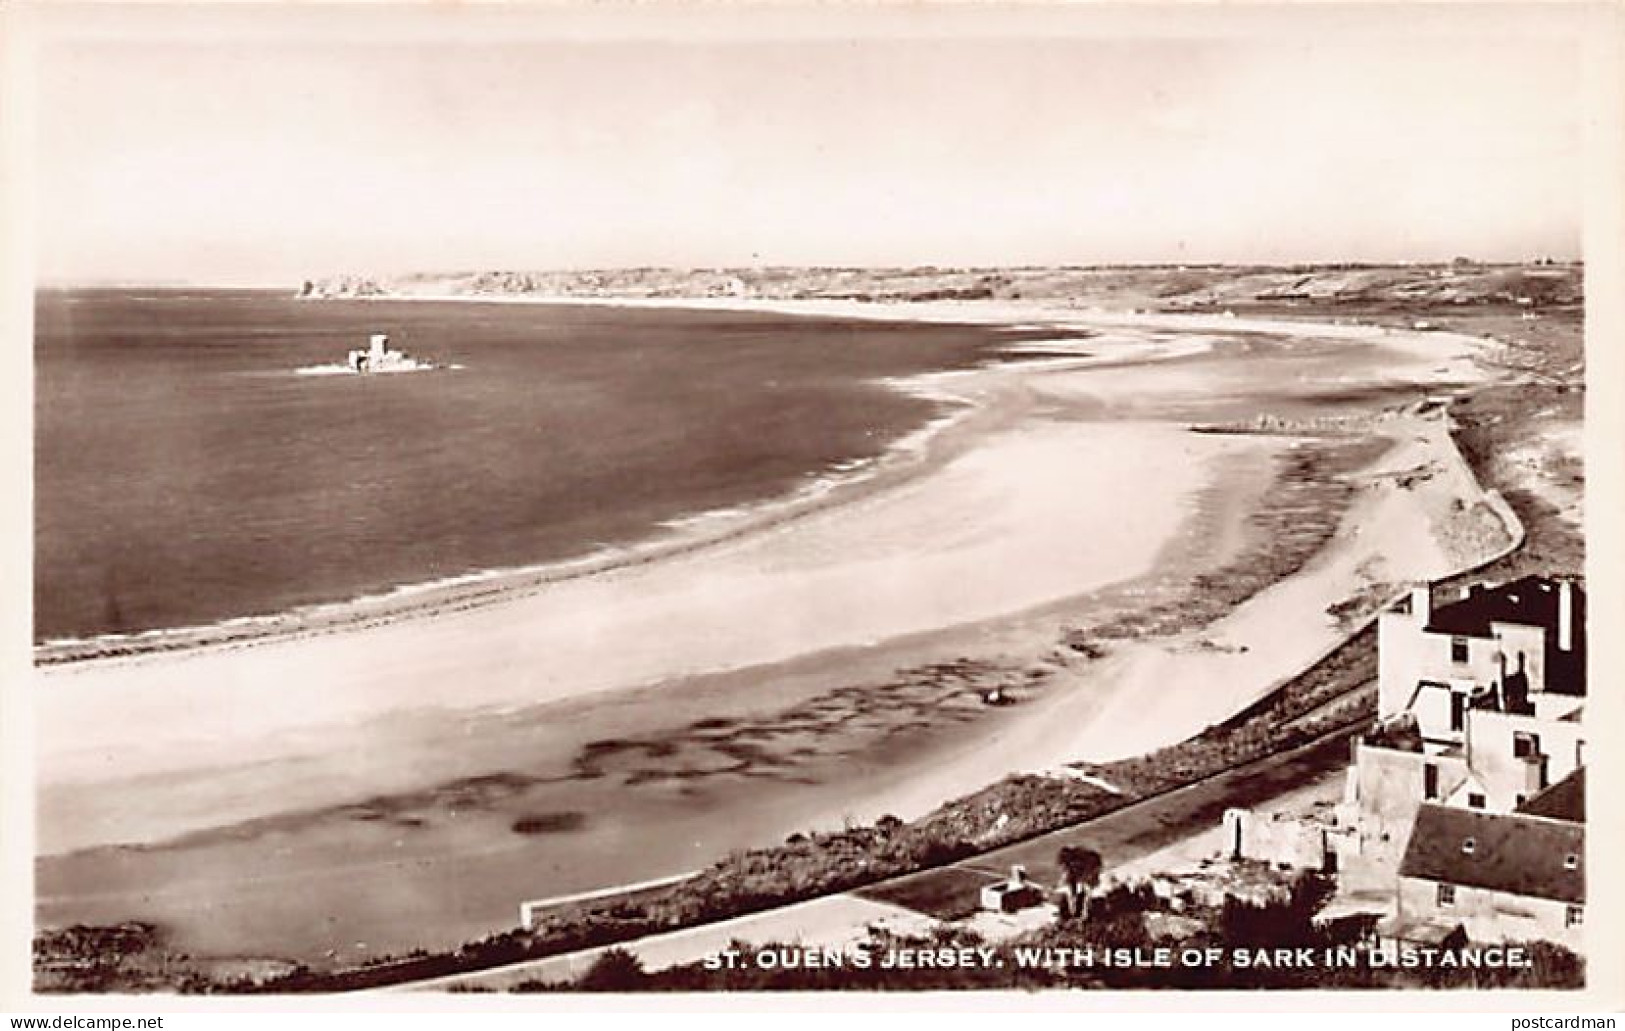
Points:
(1530, 601)
(1565, 800)
(1438, 933)
(1519, 855)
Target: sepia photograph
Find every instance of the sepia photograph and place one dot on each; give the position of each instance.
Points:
(1027, 499)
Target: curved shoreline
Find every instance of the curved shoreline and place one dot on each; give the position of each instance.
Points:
(905, 458)
(1097, 694)
(996, 749)
(962, 410)
(425, 599)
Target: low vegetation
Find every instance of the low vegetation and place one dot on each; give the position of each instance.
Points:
(123, 958)
(1299, 514)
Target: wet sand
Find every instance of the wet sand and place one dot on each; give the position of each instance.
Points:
(418, 779)
(1011, 525)
(610, 788)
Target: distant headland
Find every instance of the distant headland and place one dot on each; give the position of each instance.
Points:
(1539, 283)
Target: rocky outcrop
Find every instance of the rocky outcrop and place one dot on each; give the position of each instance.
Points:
(341, 286)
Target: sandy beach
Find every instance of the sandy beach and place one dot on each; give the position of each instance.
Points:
(502, 483)
(1068, 489)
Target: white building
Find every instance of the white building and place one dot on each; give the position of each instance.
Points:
(1525, 638)
(379, 358)
(1470, 788)
(1465, 801)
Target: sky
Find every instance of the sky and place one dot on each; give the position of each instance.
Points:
(269, 152)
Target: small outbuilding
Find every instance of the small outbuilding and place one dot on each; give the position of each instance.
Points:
(1013, 895)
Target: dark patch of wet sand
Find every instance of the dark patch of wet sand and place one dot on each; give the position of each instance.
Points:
(774, 748)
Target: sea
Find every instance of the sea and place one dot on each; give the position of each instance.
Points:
(191, 469)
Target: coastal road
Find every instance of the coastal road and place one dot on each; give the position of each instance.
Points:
(912, 902)
(1140, 829)
(831, 921)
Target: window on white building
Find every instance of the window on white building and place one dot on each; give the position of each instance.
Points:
(1458, 649)
(1475, 800)
(1447, 895)
(1574, 916)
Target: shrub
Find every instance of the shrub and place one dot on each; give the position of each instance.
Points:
(615, 970)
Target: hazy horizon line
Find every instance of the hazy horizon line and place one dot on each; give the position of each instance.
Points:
(53, 283)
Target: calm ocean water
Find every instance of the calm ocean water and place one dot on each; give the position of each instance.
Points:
(185, 474)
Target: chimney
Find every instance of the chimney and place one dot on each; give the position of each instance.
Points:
(1422, 603)
(1565, 615)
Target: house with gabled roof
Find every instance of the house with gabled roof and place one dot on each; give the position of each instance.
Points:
(1516, 876)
